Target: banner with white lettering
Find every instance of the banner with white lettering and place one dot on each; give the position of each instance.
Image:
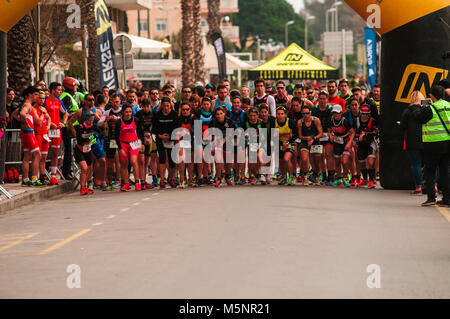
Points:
(371, 53)
(107, 70)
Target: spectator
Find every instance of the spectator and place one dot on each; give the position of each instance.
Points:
(11, 106)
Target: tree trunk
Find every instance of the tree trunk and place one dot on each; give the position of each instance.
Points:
(20, 52)
(198, 45)
(188, 67)
(213, 18)
(88, 18)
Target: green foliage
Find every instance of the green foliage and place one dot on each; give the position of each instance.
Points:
(76, 68)
(267, 19)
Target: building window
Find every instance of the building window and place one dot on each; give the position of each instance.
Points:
(143, 25)
(161, 25)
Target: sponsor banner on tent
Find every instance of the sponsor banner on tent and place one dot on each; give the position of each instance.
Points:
(107, 70)
(294, 63)
(371, 53)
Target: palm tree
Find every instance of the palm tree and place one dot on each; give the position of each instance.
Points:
(198, 45)
(188, 66)
(213, 18)
(20, 52)
(88, 18)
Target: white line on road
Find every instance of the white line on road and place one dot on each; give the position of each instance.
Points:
(155, 194)
(136, 204)
(125, 209)
(146, 198)
(97, 224)
(111, 216)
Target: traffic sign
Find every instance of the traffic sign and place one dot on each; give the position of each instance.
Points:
(332, 42)
(118, 61)
(122, 44)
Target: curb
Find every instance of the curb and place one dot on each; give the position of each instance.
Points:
(27, 198)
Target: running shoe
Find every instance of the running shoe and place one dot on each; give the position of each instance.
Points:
(89, 191)
(300, 179)
(172, 183)
(289, 181)
(183, 184)
(38, 183)
(137, 186)
(83, 191)
(282, 181)
(353, 182)
(262, 180)
(337, 182)
(252, 180)
(125, 187)
(53, 181)
(362, 183)
(416, 192)
(371, 184)
(162, 184)
(109, 188)
(346, 182)
(29, 183)
(229, 181)
(429, 203)
(305, 181)
(217, 183)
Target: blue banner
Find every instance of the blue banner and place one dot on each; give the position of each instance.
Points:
(371, 54)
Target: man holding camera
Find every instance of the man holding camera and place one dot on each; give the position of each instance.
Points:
(435, 118)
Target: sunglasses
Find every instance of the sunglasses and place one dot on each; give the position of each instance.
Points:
(187, 92)
(90, 100)
(167, 92)
(154, 93)
(309, 92)
(280, 88)
(305, 113)
(186, 109)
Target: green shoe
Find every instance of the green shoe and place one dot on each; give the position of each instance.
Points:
(338, 182)
(109, 188)
(38, 183)
(346, 183)
(289, 181)
(282, 181)
(29, 183)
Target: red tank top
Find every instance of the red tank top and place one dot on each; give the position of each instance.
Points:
(53, 107)
(40, 129)
(128, 132)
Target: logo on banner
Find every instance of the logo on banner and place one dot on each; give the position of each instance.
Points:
(102, 17)
(293, 57)
(418, 77)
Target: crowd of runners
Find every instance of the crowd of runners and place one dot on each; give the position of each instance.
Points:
(309, 133)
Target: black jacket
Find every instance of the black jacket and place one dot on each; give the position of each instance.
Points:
(412, 128)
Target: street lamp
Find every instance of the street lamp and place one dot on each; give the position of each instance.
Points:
(328, 26)
(308, 17)
(286, 31)
(335, 5)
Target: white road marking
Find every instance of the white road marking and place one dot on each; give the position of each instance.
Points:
(155, 194)
(146, 198)
(111, 216)
(125, 209)
(97, 224)
(136, 204)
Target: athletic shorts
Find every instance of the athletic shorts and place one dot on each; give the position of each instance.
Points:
(367, 149)
(128, 151)
(80, 156)
(43, 143)
(148, 149)
(110, 152)
(56, 141)
(339, 149)
(97, 150)
(29, 142)
(164, 154)
(304, 146)
(289, 149)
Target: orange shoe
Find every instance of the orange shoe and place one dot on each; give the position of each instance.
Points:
(137, 187)
(125, 187)
(362, 182)
(89, 191)
(83, 191)
(371, 184)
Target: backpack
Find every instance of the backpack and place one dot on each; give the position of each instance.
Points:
(11, 175)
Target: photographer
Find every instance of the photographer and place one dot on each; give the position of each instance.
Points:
(435, 118)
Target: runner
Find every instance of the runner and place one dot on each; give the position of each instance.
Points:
(165, 121)
(27, 116)
(287, 136)
(222, 145)
(333, 97)
(222, 98)
(366, 134)
(282, 98)
(147, 155)
(154, 100)
(310, 131)
(82, 151)
(341, 134)
(323, 111)
(261, 97)
(203, 164)
(55, 108)
(108, 123)
(239, 117)
(267, 123)
(41, 128)
(129, 145)
(253, 122)
(352, 115)
(186, 150)
(343, 90)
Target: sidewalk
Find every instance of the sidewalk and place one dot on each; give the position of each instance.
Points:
(22, 196)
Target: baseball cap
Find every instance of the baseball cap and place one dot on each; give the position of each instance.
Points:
(336, 109)
(365, 109)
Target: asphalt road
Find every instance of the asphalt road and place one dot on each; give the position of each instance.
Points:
(232, 242)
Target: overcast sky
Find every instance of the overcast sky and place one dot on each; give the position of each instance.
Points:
(297, 4)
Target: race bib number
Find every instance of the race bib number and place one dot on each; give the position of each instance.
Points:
(324, 138)
(168, 144)
(185, 144)
(113, 144)
(298, 141)
(207, 139)
(47, 138)
(136, 144)
(316, 149)
(54, 133)
(339, 140)
(253, 147)
(87, 148)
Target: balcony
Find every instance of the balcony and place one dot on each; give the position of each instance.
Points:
(226, 7)
(129, 4)
(230, 32)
